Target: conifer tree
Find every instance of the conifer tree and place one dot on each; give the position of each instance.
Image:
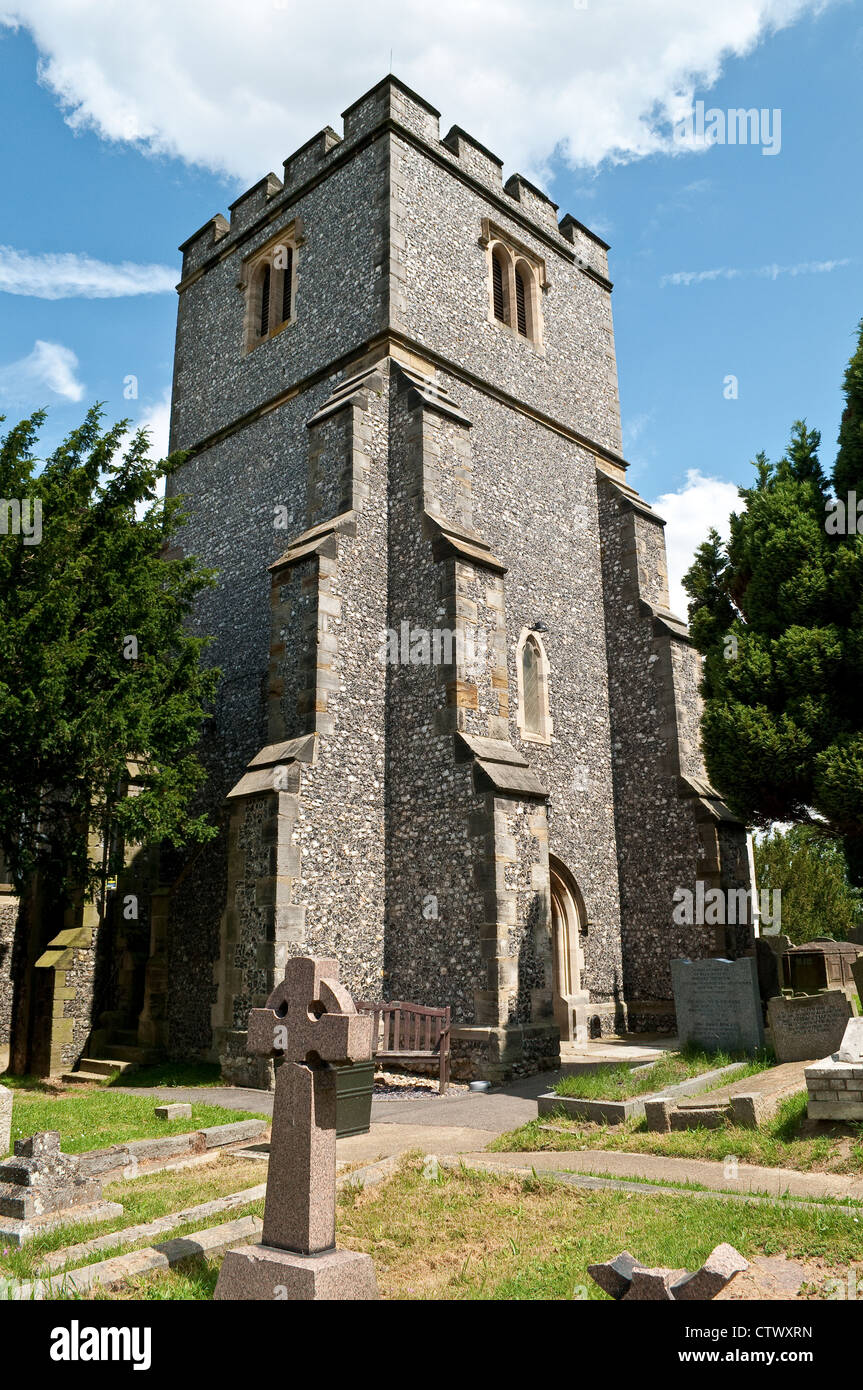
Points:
(777, 614)
(98, 676)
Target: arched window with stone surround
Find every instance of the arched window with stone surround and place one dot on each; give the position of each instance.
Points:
(268, 281)
(516, 279)
(534, 718)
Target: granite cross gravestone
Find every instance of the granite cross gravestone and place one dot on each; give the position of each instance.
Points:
(808, 1026)
(310, 1023)
(718, 1004)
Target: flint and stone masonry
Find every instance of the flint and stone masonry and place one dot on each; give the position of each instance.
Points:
(396, 452)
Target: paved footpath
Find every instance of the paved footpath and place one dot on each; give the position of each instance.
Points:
(466, 1123)
(657, 1168)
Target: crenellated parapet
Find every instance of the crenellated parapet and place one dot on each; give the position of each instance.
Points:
(392, 106)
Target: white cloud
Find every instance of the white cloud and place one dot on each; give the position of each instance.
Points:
(690, 512)
(49, 365)
(157, 419)
(769, 272)
(239, 90)
(66, 275)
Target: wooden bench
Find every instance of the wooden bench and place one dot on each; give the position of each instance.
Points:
(410, 1033)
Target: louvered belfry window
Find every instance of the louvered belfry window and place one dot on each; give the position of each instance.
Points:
(264, 319)
(497, 288)
(286, 284)
(520, 304)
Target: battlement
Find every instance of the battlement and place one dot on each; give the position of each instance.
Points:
(390, 103)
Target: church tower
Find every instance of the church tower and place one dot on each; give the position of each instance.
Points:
(456, 740)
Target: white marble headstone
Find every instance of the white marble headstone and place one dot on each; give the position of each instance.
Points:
(851, 1047)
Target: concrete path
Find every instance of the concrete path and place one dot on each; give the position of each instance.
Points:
(495, 1111)
(388, 1140)
(775, 1182)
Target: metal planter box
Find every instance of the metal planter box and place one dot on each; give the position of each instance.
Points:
(354, 1098)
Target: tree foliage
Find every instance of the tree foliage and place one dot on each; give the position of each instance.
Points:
(812, 875)
(777, 614)
(97, 672)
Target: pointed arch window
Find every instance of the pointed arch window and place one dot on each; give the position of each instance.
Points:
(264, 308)
(530, 686)
(287, 284)
(534, 718)
(520, 302)
(497, 288)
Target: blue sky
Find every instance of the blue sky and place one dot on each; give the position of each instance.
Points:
(126, 145)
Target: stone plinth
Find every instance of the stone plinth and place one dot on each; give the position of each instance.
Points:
(718, 1004)
(261, 1272)
(809, 1026)
(835, 1085)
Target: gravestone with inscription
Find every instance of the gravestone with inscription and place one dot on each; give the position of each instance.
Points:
(809, 1025)
(310, 1022)
(718, 1004)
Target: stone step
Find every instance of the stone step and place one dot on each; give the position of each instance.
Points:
(133, 1054)
(92, 1069)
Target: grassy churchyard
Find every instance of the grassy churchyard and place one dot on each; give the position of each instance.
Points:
(789, 1140)
(451, 1229)
(467, 1235)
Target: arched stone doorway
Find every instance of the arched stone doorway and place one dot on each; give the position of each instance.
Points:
(567, 921)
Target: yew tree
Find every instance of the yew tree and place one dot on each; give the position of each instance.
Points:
(99, 676)
(777, 614)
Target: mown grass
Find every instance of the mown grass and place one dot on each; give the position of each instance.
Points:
(96, 1118)
(470, 1236)
(144, 1199)
(192, 1282)
(621, 1083)
(783, 1142)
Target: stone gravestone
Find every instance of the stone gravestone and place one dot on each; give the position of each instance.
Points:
(857, 975)
(835, 1084)
(5, 1120)
(808, 1026)
(310, 1022)
(718, 1004)
(41, 1187)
